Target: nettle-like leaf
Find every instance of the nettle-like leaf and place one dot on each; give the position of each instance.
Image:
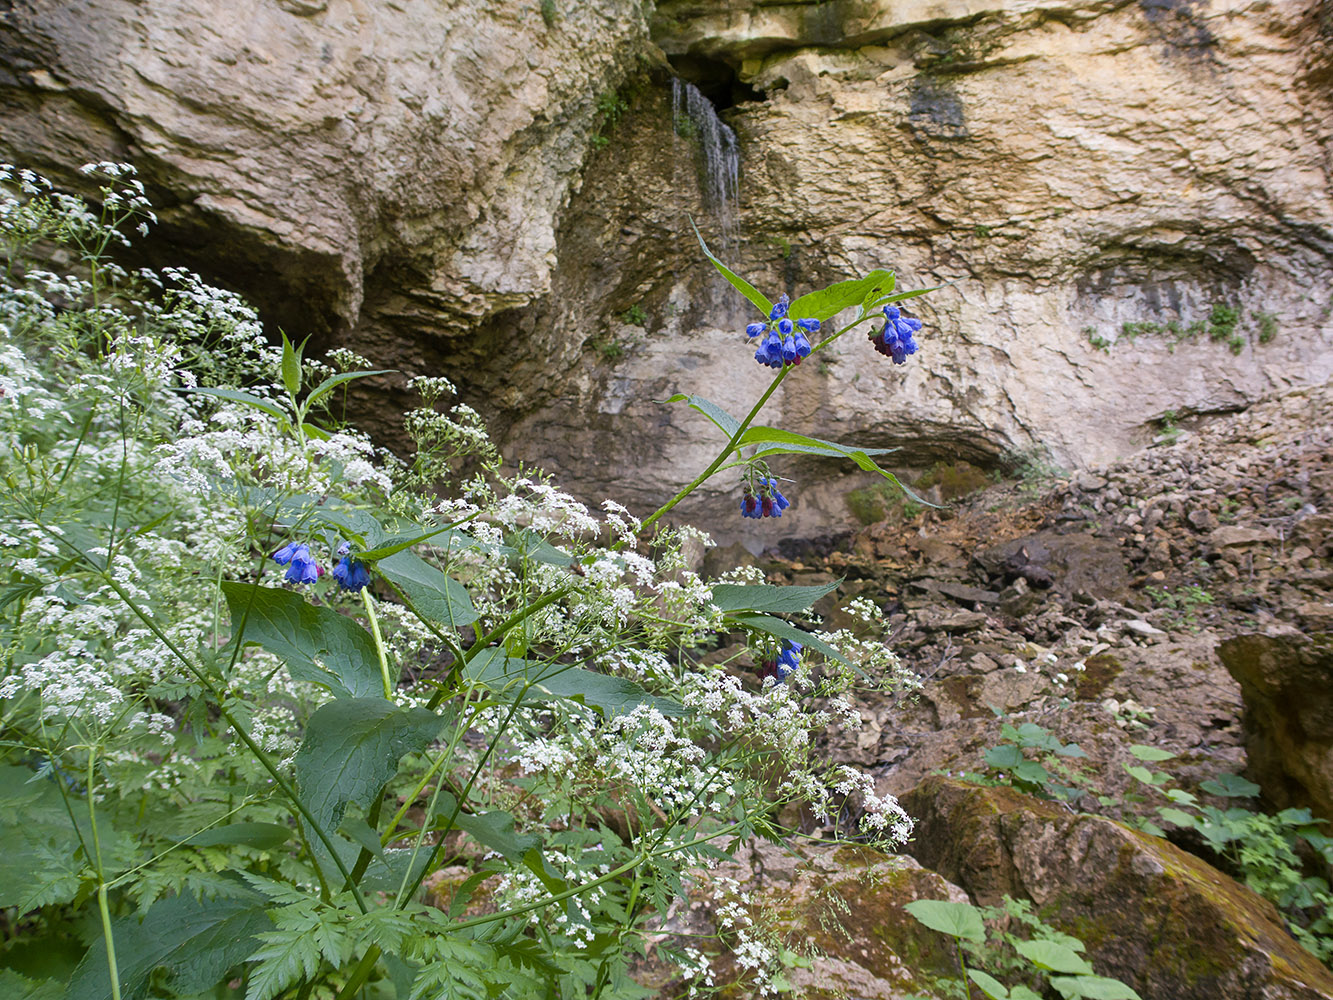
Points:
(352, 748)
(317, 644)
(196, 941)
(960, 920)
(1231, 786)
(609, 694)
(494, 829)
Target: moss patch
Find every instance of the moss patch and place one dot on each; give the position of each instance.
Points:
(1099, 671)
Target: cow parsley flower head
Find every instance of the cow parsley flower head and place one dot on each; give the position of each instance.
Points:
(301, 565)
(785, 341)
(895, 339)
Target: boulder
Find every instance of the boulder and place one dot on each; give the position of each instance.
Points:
(1286, 685)
(1160, 919)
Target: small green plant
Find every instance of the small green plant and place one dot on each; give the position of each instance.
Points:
(634, 315)
(1095, 338)
(611, 107)
(1043, 957)
(1222, 323)
(548, 13)
(1166, 424)
(982, 232)
(1264, 851)
(1013, 766)
(1267, 327)
(1183, 603)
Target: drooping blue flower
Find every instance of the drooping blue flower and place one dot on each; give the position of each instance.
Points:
(895, 340)
(301, 565)
(749, 505)
(788, 660)
(785, 341)
(771, 486)
(763, 500)
(782, 665)
(351, 574)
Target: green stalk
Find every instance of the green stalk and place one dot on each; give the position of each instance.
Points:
(107, 934)
(369, 602)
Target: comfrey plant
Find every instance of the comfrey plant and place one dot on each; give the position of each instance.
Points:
(286, 716)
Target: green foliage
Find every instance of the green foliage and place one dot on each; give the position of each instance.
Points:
(634, 315)
(548, 13)
(219, 770)
(1268, 327)
(1185, 603)
(1014, 943)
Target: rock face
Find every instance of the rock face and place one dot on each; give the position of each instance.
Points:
(1286, 682)
(1125, 894)
(1117, 195)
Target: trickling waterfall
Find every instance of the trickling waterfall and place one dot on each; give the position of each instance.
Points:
(693, 117)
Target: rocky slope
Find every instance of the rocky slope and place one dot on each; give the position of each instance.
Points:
(498, 190)
(1179, 599)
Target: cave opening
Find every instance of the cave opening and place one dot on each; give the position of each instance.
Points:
(716, 80)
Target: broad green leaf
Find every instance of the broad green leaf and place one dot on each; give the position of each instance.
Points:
(1230, 785)
(1021, 992)
(1150, 753)
(993, 988)
(291, 366)
(315, 431)
(361, 832)
(1093, 988)
(443, 601)
(828, 302)
(1179, 795)
(613, 695)
(264, 836)
(890, 299)
(1032, 772)
(1006, 757)
(528, 545)
(721, 419)
(196, 942)
(236, 396)
(357, 525)
(737, 282)
(1053, 957)
(333, 381)
(960, 920)
(785, 630)
(494, 829)
(774, 440)
(392, 546)
(767, 598)
(1144, 775)
(317, 644)
(1176, 816)
(352, 748)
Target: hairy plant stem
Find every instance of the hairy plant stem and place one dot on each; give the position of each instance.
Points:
(380, 651)
(102, 907)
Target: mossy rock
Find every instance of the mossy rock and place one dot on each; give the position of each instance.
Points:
(1150, 914)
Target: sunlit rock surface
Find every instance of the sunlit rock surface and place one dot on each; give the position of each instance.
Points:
(457, 190)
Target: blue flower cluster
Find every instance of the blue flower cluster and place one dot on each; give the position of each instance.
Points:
(302, 568)
(301, 565)
(784, 664)
(350, 574)
(768, 502)
(785, 341)
(895, 340)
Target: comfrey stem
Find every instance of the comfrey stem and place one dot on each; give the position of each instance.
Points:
(369, 602)
(722, 456)
(102, 907)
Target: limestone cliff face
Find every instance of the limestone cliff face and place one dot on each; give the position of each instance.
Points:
(426, 182)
